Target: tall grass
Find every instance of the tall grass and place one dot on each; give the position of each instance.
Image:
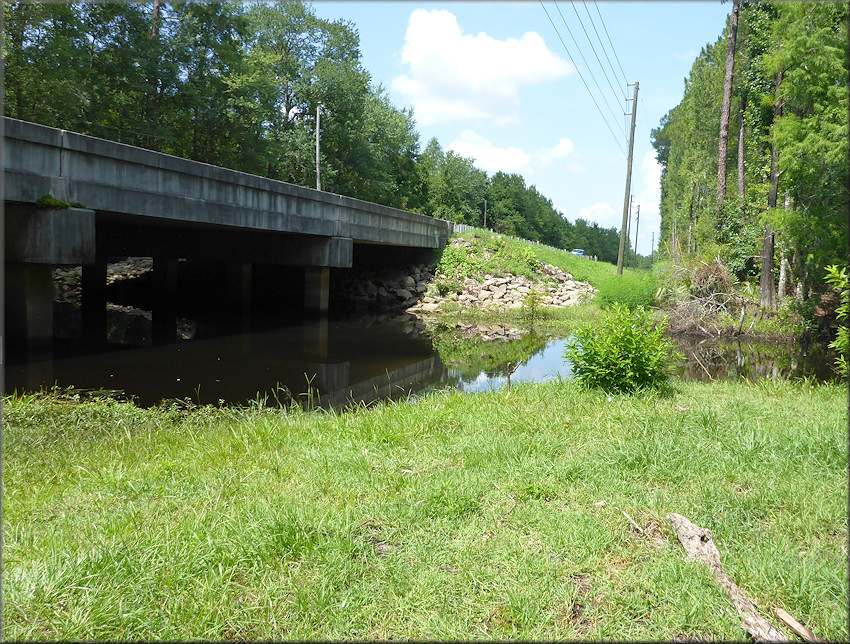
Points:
(457, 517)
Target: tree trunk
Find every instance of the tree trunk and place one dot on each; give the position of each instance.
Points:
(767, 291)
(741, 149)
(767, 298)
(727, 106)
(782, 289)
(784, 267)
(155, 18)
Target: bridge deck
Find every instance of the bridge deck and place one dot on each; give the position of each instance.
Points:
(125, 184)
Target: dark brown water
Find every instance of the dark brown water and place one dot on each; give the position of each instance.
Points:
(332, 364)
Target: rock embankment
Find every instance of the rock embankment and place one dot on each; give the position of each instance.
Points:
(383, 290)
(556, 289)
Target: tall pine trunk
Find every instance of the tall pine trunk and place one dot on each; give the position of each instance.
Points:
(727, 106)
(741, 186)
(767, 288)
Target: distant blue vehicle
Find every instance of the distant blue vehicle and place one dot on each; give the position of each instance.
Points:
(578, 251)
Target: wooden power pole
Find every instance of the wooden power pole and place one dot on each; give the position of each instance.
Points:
(637, 230)
(622, 253)
(318, 175)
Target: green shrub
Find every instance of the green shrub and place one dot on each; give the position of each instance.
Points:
(841, 344)
(626, 352)
(532, 307)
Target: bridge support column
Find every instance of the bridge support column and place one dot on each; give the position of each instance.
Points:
(164, 314)
(317, 281)
(29, 308)
(93, 305)
(238, 291)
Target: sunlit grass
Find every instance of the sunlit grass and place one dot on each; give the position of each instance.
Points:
(456, 517)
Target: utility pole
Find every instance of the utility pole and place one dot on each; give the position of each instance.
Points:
(485, 214)
(621, 254)
(318, 174)
(637, 230)
(628, 232)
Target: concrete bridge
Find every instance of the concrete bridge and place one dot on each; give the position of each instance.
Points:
(135, 202)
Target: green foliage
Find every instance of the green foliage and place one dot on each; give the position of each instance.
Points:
(790, 103)
(631, 289)
(838, 278)
(626, 352)
(532, 308)
(47, 202)
(487, 254)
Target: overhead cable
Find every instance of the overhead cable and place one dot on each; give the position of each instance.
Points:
(601, 66)
(598, 109)
(587, 65)
(617, 58)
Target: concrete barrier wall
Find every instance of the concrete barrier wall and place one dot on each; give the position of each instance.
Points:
(111, 177)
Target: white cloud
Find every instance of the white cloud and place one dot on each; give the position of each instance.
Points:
(488, 157)
(564, 148)
(603, 214)
(452, 76)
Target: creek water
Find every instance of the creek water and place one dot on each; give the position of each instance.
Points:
(335, 363)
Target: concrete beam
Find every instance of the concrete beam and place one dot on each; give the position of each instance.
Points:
(65, 236)
(232, 245)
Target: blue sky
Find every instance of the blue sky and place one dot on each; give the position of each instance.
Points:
(493, 81)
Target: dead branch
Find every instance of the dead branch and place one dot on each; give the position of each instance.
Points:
(796, 626)
(699, 545)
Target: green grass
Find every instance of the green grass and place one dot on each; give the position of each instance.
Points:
(455, 517)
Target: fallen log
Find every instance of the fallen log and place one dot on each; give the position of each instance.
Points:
(699, 544)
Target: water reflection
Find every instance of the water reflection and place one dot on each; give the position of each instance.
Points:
(334, 364)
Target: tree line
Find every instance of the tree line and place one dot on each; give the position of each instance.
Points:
(766, 105)
(240, 85)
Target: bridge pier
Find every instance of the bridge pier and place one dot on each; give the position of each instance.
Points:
(317, 280)
(238, 276)
(93, 302)
(29, 308)
(164, 313)
(36, 241)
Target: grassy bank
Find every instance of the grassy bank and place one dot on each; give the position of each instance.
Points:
(456, 517)
(497, 255)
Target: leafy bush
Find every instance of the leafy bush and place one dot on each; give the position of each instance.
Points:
(841, 344)
(532, 307)
(624, 353)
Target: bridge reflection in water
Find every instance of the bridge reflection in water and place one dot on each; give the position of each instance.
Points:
(337, 362)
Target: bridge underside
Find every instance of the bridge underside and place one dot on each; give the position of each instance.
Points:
(140, 203)
(37, 241)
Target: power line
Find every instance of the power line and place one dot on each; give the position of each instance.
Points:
(601, 66)
(625, 80)
(604, 119)
(596, 31)
(587, 65)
